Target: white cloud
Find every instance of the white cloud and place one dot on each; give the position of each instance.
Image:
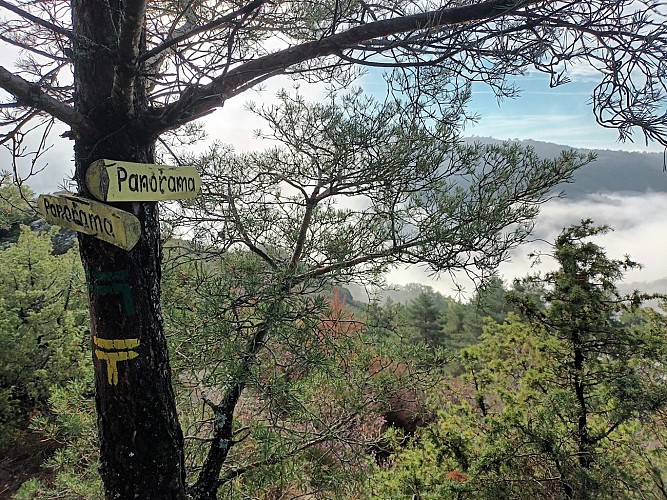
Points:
(640, 231)
(55, 167)
(234, 124)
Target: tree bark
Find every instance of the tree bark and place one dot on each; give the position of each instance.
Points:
(141, 443)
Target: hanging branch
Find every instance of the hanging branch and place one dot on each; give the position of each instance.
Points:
(38, 21)
(30, 95)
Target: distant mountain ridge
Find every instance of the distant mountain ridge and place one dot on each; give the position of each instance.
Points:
(620, 172)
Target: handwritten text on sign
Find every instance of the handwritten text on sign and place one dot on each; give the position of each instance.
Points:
(110, 180)
(91, 217)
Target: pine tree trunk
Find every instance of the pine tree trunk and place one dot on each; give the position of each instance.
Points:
(141, 442)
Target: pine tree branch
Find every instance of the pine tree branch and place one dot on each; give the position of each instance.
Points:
(32, 96)
(255, 4)
(199, 101)
(276, 459)
(30, 48)
(37, 20)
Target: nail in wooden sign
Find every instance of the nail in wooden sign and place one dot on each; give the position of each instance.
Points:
(110, 180)
(91, 217)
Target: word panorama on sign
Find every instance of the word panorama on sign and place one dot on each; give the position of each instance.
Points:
(91, 217)
(110, 180)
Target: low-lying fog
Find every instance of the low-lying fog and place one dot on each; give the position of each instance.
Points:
(640, 230)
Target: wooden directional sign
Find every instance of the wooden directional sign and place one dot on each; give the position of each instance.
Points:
(110, 180)
(91, 217)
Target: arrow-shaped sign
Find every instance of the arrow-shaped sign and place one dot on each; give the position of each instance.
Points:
(111, 180)
(91, 217)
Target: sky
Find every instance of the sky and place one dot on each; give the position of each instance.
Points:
(559, 115)
(562, 115)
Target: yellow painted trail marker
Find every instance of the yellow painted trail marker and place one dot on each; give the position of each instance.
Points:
(91, 217)
(114, 351)
(110, 180)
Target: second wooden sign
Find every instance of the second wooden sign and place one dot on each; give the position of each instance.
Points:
(107, 223)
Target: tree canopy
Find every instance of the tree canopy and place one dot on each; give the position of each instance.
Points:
(351, 188)
(166, 63)
(42, 320)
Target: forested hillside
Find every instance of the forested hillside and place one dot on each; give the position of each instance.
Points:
(547, 387)
(619, 172)
(206, 334)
